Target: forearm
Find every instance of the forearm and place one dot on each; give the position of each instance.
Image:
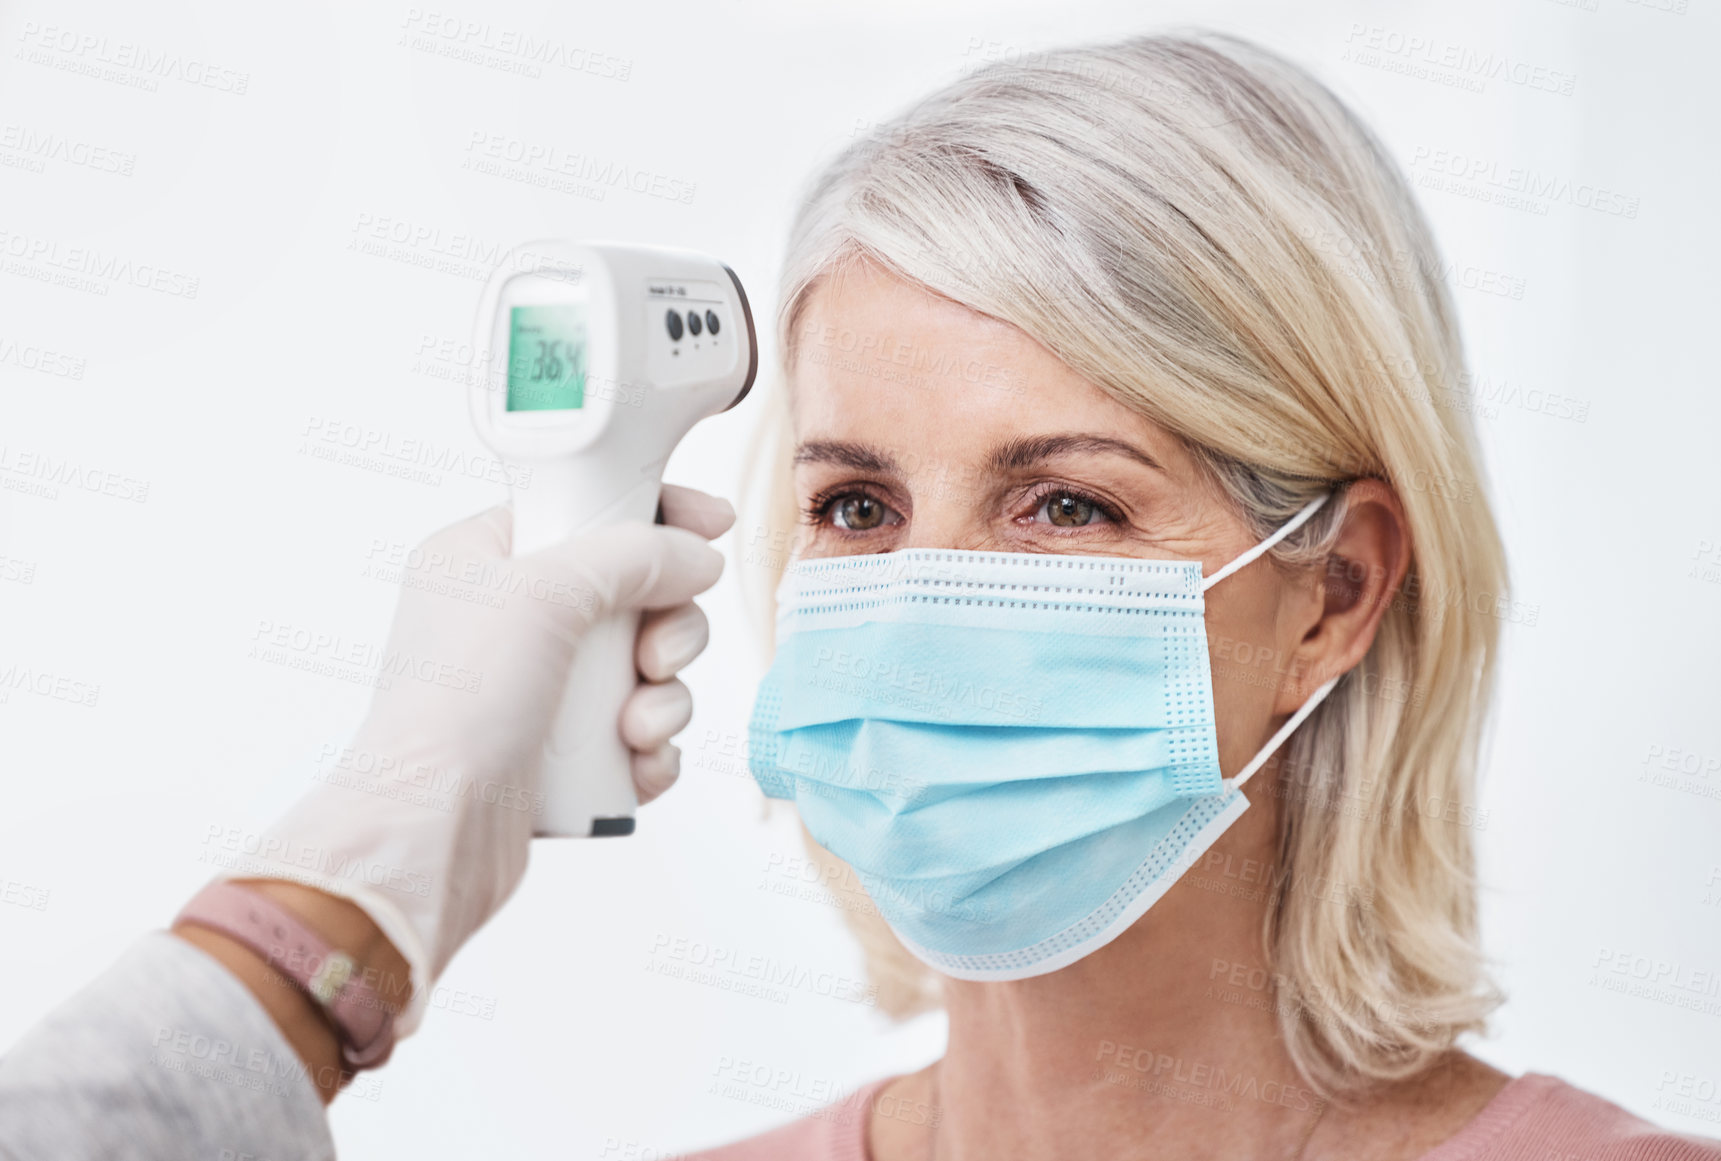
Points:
(164, 1055)
(301, 1019)
(192, 1045)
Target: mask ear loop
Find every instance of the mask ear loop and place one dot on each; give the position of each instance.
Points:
(1315, 699)
(1278, 739)
(1285, 530)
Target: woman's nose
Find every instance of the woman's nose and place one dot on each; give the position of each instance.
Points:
(949, 522)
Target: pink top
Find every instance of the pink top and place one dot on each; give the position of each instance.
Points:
(1533, 1118)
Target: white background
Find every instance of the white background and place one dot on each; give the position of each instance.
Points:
(345, 123)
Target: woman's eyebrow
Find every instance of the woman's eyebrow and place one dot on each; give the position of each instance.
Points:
(1029, 450)
(849, 455)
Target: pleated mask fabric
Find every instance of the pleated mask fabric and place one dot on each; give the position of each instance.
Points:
(1016, 752)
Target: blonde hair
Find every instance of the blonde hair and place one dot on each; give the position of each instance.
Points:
(1206, 232)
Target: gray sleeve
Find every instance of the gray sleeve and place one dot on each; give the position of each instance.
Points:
(165, 1055)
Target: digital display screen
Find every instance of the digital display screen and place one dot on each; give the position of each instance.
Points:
(546, 358)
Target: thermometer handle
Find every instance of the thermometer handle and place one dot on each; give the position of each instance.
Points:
(587, 770)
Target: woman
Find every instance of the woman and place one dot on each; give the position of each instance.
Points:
(1115, 394)
(1156, 300)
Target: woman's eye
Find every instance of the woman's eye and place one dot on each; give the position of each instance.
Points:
(1068, 511)
(858, 512)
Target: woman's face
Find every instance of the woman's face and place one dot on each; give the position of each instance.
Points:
(921, 424)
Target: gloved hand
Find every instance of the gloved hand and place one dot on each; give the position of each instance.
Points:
(424, 821)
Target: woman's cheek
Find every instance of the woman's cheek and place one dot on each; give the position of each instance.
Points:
(1248, 669)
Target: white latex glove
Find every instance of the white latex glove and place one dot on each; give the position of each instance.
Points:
(424, 821)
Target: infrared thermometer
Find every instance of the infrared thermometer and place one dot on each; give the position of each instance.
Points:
(597, 358)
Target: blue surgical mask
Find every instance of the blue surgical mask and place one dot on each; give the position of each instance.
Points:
(1016, 752)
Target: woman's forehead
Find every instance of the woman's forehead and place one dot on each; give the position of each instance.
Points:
(867, 309)
(884, 362)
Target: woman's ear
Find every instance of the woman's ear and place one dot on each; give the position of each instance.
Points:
(1359, 581)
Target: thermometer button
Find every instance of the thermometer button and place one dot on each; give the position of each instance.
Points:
(711, 321)
(673, 321)
(693, 325)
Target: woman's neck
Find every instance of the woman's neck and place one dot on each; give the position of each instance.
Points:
(1157, 1037)
(1163, 1043)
